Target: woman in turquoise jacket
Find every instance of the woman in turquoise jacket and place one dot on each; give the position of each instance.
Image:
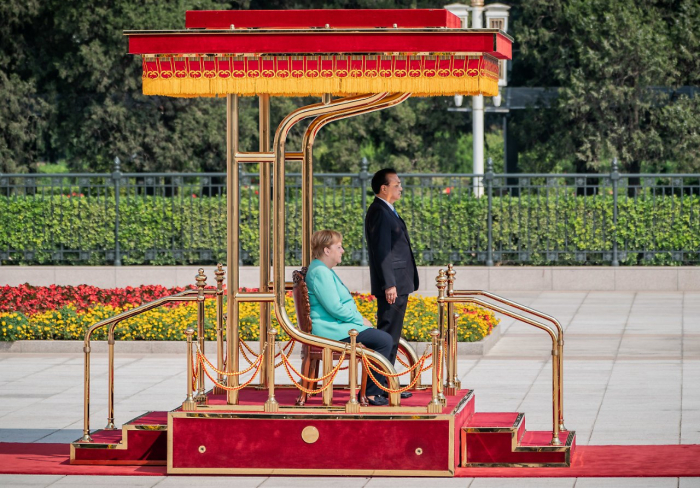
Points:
(333, 309)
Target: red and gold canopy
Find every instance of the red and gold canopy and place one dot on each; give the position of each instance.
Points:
(312, 52)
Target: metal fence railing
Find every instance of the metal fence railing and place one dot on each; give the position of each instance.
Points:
(179, 218)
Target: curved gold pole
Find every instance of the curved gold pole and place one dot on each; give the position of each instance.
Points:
(307, 182)
(536, 313)
(555, 352)
(278, 237)
(307, 165)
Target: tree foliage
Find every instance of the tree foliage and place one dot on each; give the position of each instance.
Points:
(608, 59)
(71, 92)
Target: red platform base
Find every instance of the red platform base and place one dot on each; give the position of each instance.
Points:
(405, 441)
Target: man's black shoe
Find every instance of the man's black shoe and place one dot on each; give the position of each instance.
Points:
(404, 395)
(378, 401)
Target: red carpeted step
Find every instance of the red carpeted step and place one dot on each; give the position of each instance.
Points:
(500, 439)
(150, 418)
(141, 441)
(107, 436)
(493, 419)
(536, 438)
(498, 422)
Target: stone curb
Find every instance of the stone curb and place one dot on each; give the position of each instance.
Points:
(180, 347)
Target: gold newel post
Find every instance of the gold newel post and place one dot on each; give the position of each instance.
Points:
(201, 283)
(219, 274)
(189, 404)
(442, 329)
(452, 384)
(435, 405)
(271, 404)
(353, 406)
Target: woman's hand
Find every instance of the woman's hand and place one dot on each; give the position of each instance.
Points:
(367, 322)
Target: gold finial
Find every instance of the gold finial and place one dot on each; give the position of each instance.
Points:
(441, 283)
(201, 280)
(451, 273)
(219, 276)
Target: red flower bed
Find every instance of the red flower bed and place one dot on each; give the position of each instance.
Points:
(30, 300)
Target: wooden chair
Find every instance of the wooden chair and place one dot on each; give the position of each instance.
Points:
(311, 356)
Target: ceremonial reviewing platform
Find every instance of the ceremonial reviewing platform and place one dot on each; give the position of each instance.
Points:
(248, 411)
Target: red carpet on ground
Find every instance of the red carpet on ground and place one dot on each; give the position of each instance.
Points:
(589, 461)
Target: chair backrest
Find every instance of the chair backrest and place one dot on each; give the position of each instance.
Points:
(300, 293)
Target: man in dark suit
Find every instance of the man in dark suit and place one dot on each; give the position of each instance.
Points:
(392, 267)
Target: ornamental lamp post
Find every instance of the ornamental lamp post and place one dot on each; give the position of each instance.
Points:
(496, 18)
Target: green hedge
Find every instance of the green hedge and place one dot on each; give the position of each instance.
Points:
(530, 229)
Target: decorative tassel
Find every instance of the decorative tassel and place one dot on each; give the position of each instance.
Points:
(296, 87)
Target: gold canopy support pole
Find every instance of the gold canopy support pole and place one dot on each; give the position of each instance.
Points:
(232, 189)
(285, 126)
(264, 225)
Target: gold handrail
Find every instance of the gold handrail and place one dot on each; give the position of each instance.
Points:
(112, 322)
(554, 335)
(542, 315)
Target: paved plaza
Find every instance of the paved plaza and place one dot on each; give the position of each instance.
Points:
(632, 370)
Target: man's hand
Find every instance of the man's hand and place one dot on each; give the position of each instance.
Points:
(390, 295)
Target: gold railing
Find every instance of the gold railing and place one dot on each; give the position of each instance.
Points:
(197, 295)
(448, 296)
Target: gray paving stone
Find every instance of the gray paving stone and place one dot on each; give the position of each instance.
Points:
(523, 483)
(213, 481)
(627, 482)
(320, 482)
(108, 481)
(24, 480)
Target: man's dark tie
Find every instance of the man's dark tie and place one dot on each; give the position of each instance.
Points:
(395, 212)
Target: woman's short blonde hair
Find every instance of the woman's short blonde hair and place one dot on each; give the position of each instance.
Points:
(323, 239)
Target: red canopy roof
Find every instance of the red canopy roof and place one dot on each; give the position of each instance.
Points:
(309, 19)
(296, 52)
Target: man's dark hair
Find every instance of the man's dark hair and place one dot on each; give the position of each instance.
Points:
(380, 178)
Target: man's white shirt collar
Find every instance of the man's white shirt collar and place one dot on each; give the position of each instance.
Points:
(390, 205)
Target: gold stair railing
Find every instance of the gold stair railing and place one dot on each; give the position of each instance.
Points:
(198, 295)
(448, 296)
